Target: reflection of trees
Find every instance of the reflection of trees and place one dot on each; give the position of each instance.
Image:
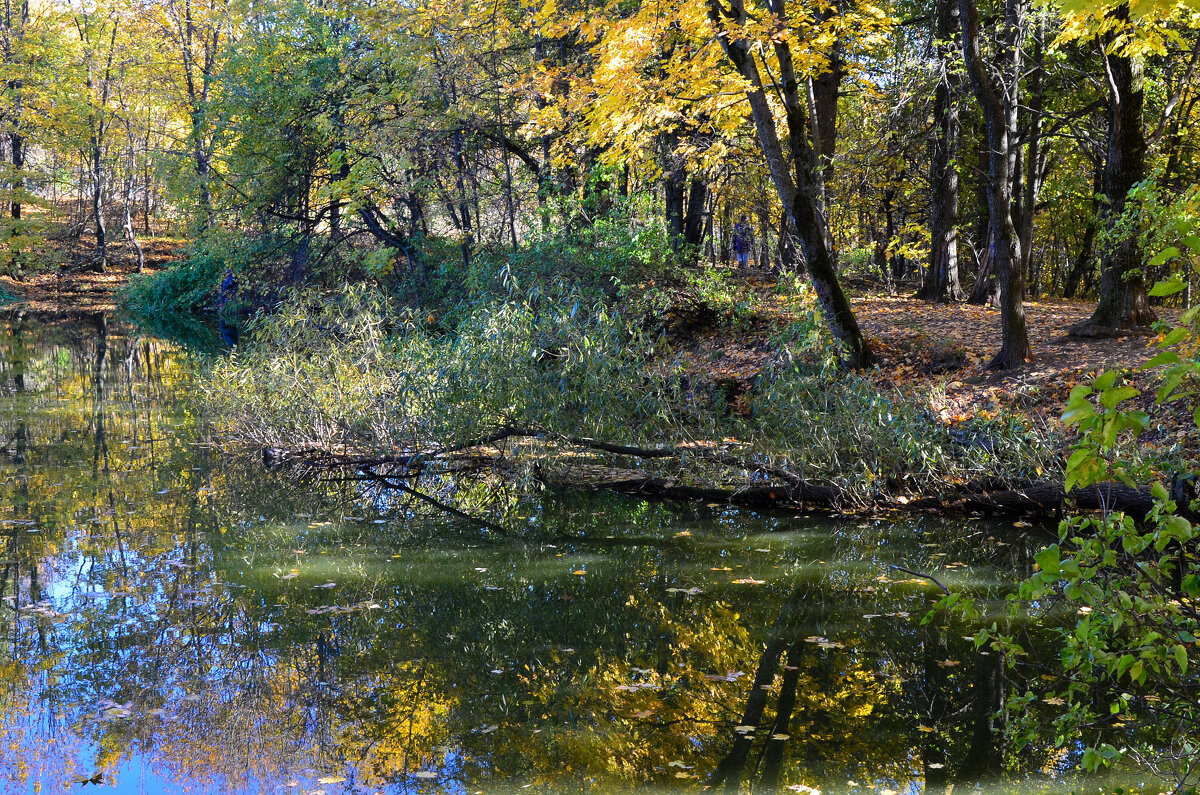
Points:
(194, 626)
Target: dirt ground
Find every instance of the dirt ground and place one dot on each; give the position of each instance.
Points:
(940, 352)
(74, 286)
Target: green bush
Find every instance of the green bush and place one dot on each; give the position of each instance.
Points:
(1117, 595)
(593, 262)
(351, 369)
(191, 284)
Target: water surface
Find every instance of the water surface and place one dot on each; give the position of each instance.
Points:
(177, 620)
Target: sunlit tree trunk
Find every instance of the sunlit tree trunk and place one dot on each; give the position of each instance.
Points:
(997, 88)
(797, 188)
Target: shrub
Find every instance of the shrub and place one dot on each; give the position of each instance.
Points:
(191, 284)
(351, 369)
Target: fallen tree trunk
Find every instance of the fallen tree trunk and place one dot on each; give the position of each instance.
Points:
(768, 485)
(1035, 499)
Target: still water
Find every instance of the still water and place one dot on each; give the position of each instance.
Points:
(173, 619)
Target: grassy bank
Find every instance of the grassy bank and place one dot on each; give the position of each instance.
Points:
(604, 357)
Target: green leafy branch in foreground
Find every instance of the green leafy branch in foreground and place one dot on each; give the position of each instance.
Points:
(1119, 595)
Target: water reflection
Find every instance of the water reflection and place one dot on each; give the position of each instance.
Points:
(176, 621)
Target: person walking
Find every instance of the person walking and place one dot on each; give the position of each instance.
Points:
(743, 241)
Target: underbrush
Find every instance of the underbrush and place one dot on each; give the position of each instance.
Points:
(615, 261)
(262, 266)
(357, 371)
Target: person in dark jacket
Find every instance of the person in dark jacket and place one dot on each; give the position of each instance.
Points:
(743, 241)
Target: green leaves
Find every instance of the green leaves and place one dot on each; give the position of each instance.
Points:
(1100, 427)
(1171, 286)
(1163, 256)
(1049, 560)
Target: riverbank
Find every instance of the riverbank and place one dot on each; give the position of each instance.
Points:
(68, 285)
(926, 429)
(738, 408)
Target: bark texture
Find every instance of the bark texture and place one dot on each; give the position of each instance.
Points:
(793, 172)
(941, 281)
(1123, 304)
(997, 88)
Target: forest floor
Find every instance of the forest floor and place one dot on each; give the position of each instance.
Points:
(72, 286)
(939, 352)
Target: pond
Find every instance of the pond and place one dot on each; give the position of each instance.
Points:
(175, 619)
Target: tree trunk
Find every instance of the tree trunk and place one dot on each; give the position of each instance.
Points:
(764, 248)
(726, 224)
(1083, 260)
(788, 261)
(1123, 304)
(129, 233)
(941, 279)
(16, 143)
(1035, 156)
(997, 88)
(693, 217)
(464, 201)
(101, 256)
(796, 187)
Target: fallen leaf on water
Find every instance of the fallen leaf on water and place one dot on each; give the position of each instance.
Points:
(732, 676)
(424, 774)
(824, 643)
(331, 779)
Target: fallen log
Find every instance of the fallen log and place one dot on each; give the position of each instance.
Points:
(1047, 498)
(773, 485)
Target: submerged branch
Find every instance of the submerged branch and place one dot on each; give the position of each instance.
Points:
(788, 489)
(929, 577)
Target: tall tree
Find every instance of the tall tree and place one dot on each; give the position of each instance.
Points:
(192, 34)
(1123, 303)
(997, 88)
(941, 281)
(792, 171)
